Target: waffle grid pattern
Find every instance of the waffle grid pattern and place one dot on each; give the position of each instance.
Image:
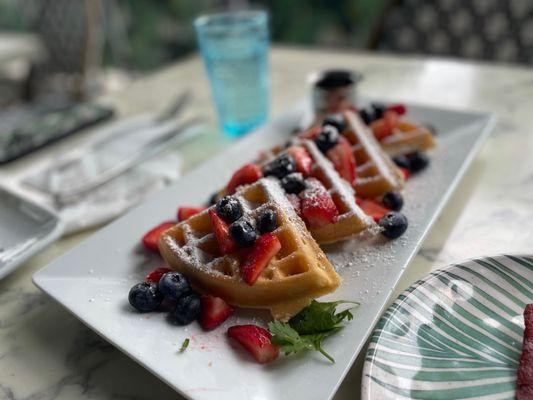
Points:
(351, 220)
(299, 272)
(376, 172)
(408, 137)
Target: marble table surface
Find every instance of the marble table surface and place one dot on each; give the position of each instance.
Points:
(45, 353)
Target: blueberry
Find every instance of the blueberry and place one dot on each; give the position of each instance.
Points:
(243, 233)
(187, 309)
(229, 209)
(337, 120)
(394, 224)
(327, 138)
(379, 110)
(174, 285)
(366, 116)
(293, 183)
(212, 199)
(279, 167)
(402, 161)
(417, 161)
(393, 201)
(267, 221)
(145, 296)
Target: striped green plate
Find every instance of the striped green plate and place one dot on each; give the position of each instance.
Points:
(457, 334)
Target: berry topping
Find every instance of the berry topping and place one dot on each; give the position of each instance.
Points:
(220, 228)
(394, 224)
(310, 133)
(366, 116)
(229, 208)
(405, 172)
(318, 208)
(400, 109)
(214, 311)
(402, 161)
(156, 274)
(213, 199)
(393, 201)
(265, 248)
(379, 109)
(281, 166)
(372, 209)
(337, 120)
(296, 203)
(256, 340)
(174, 285)
(302, 159)
(327, 138)
(293, 183)
(243, 233)
(245, 175)
(417, 161)
(267, 221)
(151, 238)
(145, 296)
(343, 160)
(185, 213)
(384, 126)
(187, 309)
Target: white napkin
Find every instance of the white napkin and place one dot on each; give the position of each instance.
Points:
(115, 197)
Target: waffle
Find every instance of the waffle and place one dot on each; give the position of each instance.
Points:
(351, 220)
(298, 273)
(407, 138)
(376, 172)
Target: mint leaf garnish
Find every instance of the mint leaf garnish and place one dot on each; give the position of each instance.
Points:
(307, 329)
(320, 317)
(184, 345)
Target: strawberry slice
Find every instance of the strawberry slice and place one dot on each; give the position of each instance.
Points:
(400, 109)
(384, 127)
(220, 228)
(265, 248)
(373, 208)
(155, 275)
(302, 159)
(244, 175)
(310, 133)
(186, 212)
(318, 208)
(214, 311)
(295, 203)
(150, 239)
(406, 173)
(343, 159)
(256, 340)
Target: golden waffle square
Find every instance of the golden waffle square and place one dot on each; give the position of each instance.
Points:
(407, 138)
(298, 273)
(376, 172)
(351, 220)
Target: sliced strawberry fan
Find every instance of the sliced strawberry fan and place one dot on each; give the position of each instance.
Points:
(185, 212)
(221, 230)
(256, 341)
(318, 208)
(151, 238)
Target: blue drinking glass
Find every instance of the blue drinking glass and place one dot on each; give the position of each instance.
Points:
(234, 47)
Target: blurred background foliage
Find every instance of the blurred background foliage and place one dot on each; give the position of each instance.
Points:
(147, 34)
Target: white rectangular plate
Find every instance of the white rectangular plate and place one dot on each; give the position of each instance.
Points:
(93, 280)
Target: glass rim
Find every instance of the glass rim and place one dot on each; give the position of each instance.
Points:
(247, 18)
